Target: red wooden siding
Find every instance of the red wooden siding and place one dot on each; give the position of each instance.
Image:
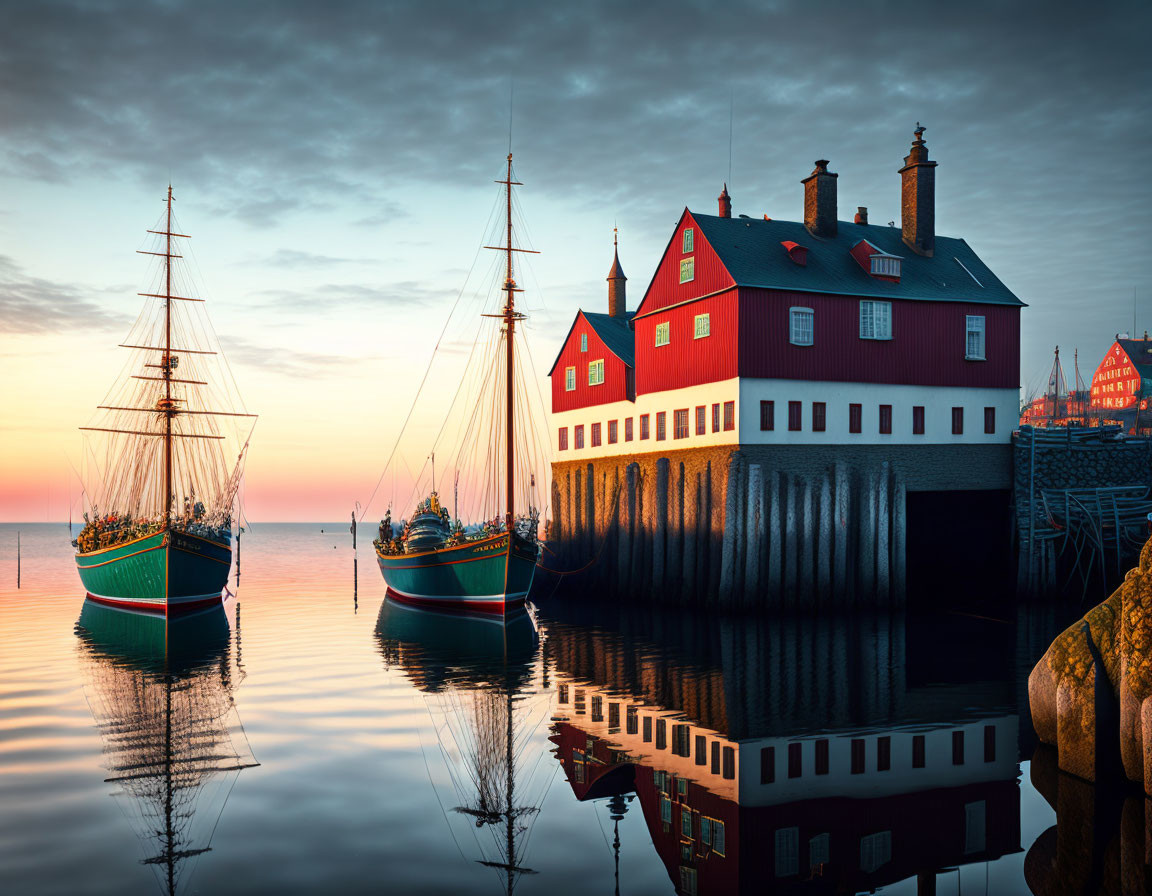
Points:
(617, 377)
(926, 348)
(687, 361)
(666, 288)
(1116, 381)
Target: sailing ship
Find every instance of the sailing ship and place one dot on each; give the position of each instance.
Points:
(440, 562)
(161, 695)
(487, 697)
(158, 528)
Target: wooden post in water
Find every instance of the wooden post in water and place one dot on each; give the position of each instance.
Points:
(694, 513)
(841, 485)
(791, 552)
(730, 536)
(556, 530)
(883, 544)
(239, 532)
(753, 584)
(659, 544)
(824, 543)
(676, 552)
(899, 540)
(590, 511)
(632, 483)
(807, 543)
(775, 541)
(867, 528)
(578, 511)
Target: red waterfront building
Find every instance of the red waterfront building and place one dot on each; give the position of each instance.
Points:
(759, 332)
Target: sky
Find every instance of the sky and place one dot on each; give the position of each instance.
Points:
(335, 161)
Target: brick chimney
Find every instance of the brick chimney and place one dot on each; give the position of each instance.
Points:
(617, 284)
(820, 200)
(918, 198)
(861, 215)
(725, 203)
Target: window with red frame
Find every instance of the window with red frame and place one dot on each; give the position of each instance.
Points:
(701, 419)
(628, 430)
(767, 416)
(661, 426)
(613, 431)
(795, 412)
(563, 438)
(579, 433)
(989, 420)
(918, 420)
(680, 424)
(716, 417)
(643, 426)
(819, 416)
(595, 435)
(729, 415)
(957, 421)
(855, 417)
(886, 419)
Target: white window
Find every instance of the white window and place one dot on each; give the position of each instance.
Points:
(787, 852)
(583, 342)
(662, 334)
(596, 372)
(886, 265)
(819, 850)
(703, 326)
(875, 851)
(665, 810)
(801, 325)
(718, 837)
(875, 320)
(974, 340)
(687, 270)
(688, 239)
(569, 379)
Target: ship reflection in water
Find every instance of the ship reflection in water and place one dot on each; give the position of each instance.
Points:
(802, 756)
(486, 693)
(161, 696)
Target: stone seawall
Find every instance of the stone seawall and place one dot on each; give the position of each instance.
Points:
(756, 527)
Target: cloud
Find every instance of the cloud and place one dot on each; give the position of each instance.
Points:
(350, 296)
(34, 305)
(295, 258)
(285, 362)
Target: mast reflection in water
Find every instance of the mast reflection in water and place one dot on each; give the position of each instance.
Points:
(161, 694)
(804, 755)
(486, 694)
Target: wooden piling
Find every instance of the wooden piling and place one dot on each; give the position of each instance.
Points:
(807, 546)
(883, 545)
(775, 561)
(676, 548)
(578, 508)
(731, 535)
(590, 529)
(824, 543)
(866, 523)
(899, 541)
(753, 584)
(841, 487)
(628, 546)
(692, 538)
(660, 534)
(791, 552)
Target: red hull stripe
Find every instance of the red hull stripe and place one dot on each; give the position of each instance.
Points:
(154, 606)
(461, 606)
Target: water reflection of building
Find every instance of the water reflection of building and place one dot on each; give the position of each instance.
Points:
(482, 685)
(161, 695)
(742, 792)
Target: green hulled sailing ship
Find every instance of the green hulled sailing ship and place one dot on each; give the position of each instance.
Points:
(437, 561)
(164, 456)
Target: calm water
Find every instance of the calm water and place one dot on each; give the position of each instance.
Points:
(322, 739)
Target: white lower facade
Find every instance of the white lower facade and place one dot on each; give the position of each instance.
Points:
(737, 402)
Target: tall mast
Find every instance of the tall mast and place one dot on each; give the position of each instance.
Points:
(167, 368)
(510, 326)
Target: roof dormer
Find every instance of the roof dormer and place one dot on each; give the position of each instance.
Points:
(877, 263)
(798, 253)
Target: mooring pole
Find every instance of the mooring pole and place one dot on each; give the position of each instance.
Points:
(353, 530)
(239, 532)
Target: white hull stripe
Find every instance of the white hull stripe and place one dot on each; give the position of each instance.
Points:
(462, 598)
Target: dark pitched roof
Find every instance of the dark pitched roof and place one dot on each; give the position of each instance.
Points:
(617, 335)
(750, 249)
(1139, 353)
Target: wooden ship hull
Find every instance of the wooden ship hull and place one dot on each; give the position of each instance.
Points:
(168, 572)
(492, 575)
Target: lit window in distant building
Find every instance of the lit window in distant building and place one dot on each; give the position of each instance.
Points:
(767, 416)
(795, 411)
(989, 420)
(663, 333)
(716, 417)
(819, 416)
(613, 431)
(563, 438)
(643, 427)
(855, 418)
(569, 379)
(875, 320)
(687, 270)
(918, 420)
(886, 419)
(729, 415)
(628, 430)
(701, 419)
(680, 424)
(583, 342)
(702, 326)
(595, 435)
(957, 421)
(596, 373)
(974, 338)
(579, 432)
(688, 240)
(661, 426)
(801, 327)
